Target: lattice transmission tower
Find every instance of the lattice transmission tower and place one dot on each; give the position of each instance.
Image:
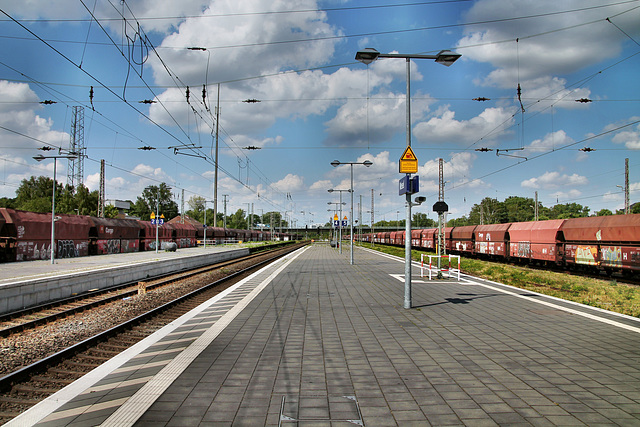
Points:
(75, 174)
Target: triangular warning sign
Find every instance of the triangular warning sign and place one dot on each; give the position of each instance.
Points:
(408, 154)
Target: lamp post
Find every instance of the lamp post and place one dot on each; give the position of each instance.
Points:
(336, 163)
(40, 158)
(446, 58)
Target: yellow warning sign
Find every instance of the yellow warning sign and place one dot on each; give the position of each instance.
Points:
(408, 161)
(335, 218)
(153, 215)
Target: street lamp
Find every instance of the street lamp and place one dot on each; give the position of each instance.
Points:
(40, 158)
(446, 58)
(336, 163)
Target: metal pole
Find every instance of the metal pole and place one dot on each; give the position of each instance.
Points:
(157, 216)
(215, 174)
(205, 224)
(53, 213)
(407, 237)
(351, 219)
(340, 226)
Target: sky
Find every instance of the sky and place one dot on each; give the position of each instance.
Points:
(129, 64)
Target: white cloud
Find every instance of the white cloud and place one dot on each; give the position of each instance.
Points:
(532, 60)
(289, 184)
(630, 138)
(445, 128)
(552, 180)
(17, 113)
(550, 141)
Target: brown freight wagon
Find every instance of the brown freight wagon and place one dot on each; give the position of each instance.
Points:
(604, 242)
(462, 239)
(537, 240)
(27, 235)
(113, 236)
(492, 239)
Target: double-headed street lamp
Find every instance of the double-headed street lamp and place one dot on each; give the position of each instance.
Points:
(446, 58)
(336, 163)
(40, 158)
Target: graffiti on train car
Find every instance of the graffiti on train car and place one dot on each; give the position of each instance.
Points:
(524, 249)
(27, 251)
(587, 255)
(111, 246)
(67, 249)
(611, 255)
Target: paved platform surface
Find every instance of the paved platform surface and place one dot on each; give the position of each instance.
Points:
(325, 343)
(17, 271)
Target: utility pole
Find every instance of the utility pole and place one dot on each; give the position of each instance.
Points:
(182, 209)
(372, 217)
(101, 195)
(441, 250)
(535, 209)
(224, 218)
(626, 186)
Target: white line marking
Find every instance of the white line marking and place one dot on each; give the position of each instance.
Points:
(546, 303)
(137, 405)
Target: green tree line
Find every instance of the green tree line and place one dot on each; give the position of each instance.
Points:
(35, 195)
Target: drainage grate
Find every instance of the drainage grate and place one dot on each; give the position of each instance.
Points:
(302, 409)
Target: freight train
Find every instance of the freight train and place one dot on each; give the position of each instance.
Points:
(26, 236)
(606, 243)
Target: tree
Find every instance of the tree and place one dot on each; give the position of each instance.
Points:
(568, 210)
(111, 211)
(604, 212)
(420, 220)
(237, 220)
(519, 209)
(6, 202)
(489, 211)
(155, 198)
(196, 208)
(34, 194)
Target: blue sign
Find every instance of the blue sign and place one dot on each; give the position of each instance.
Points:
(344, 223)
(336, 223)
(409, 185)
(153, 221)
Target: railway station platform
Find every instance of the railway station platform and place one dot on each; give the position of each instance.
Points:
(29, 283)
(313, 340)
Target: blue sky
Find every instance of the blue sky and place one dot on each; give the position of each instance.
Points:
(318, 104)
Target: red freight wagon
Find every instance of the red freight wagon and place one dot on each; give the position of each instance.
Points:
(30, 235)
(385, 237)
(492, 239)
(416, 237)
(397, 238)
(184, 234)
(462, 239)
(113, 236)
(610, 242)
(538, 240)
(428, 238)
(148, 236)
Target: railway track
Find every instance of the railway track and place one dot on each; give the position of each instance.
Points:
(33, 317)
(30, 384)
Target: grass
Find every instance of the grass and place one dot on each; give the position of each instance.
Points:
(603, 293)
